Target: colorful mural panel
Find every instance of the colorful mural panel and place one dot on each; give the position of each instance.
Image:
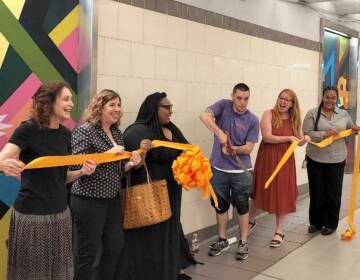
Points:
(340, 70)
(38, 43)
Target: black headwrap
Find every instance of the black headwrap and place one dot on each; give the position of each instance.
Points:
(148, 115)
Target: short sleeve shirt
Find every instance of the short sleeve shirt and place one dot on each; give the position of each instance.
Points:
(42, 191)
(241, 128)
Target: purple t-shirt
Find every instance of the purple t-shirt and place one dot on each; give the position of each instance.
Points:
(242, 128)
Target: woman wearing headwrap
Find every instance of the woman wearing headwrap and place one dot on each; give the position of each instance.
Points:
(153, 252)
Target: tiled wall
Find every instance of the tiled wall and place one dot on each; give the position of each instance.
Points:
(142, 51)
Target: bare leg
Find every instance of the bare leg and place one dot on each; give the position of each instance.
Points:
(243, 221)
(280, 219)
(253, 211)
(222, 220)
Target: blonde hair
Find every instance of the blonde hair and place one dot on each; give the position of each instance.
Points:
(93, 111)
(294, 113)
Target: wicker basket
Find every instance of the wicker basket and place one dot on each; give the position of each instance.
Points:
(146, 204)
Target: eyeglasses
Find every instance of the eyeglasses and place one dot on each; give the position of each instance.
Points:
(166, 106)
(285, 99)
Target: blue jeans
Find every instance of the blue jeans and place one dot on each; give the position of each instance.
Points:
(231, 188)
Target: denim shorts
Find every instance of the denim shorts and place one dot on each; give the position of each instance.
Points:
(229, 185)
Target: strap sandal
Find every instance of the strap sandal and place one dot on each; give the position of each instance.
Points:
(277, 243)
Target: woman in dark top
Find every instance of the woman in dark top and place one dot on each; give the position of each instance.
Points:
(153, 252)
(95, 199)
(40, 229)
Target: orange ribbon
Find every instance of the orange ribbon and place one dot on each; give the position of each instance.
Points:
(197, 165)
(192, 170)
(54, 161)
(282, 162)
(350, 232)
(329, 140)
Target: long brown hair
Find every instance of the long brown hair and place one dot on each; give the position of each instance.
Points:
(44, 99)
(93, 111)
(294, 113)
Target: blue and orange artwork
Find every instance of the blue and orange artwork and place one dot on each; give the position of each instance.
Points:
(38, 43)
(336, 65)
(340, 70)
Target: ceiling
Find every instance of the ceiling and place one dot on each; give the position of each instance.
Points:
(333, 7)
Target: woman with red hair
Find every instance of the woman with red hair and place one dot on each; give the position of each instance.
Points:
(280, 127)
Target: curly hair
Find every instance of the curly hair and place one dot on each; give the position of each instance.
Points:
(93, 111)
(294, 113)
(44, 99)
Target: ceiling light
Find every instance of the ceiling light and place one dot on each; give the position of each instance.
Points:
(336, 32)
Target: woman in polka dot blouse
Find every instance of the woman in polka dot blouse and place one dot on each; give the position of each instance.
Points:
(95, 199)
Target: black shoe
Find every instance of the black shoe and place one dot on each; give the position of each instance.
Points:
(327, 231)
(313, 228)
(183, 276)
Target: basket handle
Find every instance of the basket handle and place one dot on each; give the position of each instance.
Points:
(149, 181)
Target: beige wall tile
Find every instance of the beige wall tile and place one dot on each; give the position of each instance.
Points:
(251, 74)
(243, 46)
(177, 94)
(126, 120)
(131, 23)
(131, 92)
(213, 42)
(143, 61)
(189, 196)
(256, 104)
(269, 55)
(186, 123)
(212, 93)
(301, 174)
(107, 18)
(204, 68)
(176, 33)
(153, 85)
(165, 63)
(195, 97)
(100, 55)
(257, 49)
(117, 57)
(288, 78)
(107, 82)
(227, 90)
(228, 43)
(236, 72)
(312, 58)
(186, 66)
(221, 69)
(154, 28)
(197, 215)
(270, 75)
(195, 36)
(281, 54)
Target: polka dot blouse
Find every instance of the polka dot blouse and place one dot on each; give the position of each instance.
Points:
(105, 182)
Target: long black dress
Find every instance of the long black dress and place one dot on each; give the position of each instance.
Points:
(153, 252)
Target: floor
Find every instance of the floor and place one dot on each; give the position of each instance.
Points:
(301, 256)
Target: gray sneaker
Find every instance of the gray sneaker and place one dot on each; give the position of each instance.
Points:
(243, 250)
(221, 245)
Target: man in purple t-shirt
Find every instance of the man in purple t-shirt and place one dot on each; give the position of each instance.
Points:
(236, 130)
